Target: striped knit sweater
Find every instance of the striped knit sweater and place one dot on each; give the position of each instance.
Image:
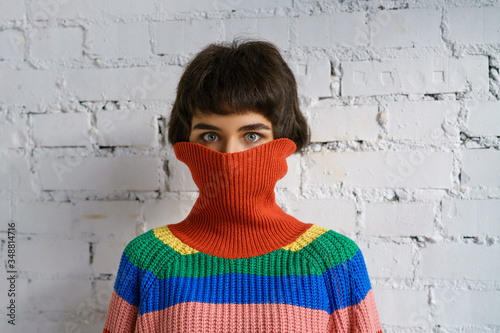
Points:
(238, 262)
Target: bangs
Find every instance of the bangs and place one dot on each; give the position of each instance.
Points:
(236, 81)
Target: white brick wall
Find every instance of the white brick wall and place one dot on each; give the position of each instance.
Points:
(61, 129)
(406, 28)
(14, 132)
(57, 43)
(28, 87)
(326, 31)
(338, 215)
(114, 173)
(480, 167)
(474, 25)
(403, 106)
(123, 84)
(127, 128)
(484, 118)
(274, 29)
(119, 40)
(11, 44)
(399, 219)
(343, 123)
(469, 261)
(415, 169)
(389, 260)
(471, 217)
(422, 121)
(414, 76)
(184, 36)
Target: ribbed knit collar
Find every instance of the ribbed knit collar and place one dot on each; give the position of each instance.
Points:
(236, 215)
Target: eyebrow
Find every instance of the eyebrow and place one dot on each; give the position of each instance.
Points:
(249, 127)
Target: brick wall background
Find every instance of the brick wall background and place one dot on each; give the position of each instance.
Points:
(403, 103)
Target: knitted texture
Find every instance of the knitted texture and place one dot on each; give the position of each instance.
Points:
(238, 263)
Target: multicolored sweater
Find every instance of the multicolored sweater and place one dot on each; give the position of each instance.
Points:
(238, 262)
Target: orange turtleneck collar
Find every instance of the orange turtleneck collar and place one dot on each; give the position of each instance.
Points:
(235, 215)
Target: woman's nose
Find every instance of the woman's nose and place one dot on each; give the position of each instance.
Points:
(231, 145)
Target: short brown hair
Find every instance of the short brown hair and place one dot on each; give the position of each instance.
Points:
(236, 78)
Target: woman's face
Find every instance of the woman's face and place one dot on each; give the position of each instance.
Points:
(230, 133)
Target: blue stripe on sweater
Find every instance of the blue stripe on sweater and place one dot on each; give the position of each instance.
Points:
(341, 286)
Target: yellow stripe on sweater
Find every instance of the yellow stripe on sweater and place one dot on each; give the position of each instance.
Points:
(306, 238)
(166, 236)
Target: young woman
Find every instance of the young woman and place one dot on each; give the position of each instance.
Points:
(238, 262)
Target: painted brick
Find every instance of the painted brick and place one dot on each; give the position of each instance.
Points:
(480, 167)
(13, 133)
(44, 218)
(16, 10)
(180, 178)
(21, 326)
(463, 261)
(120, 40)
(313, 77)
(326, 31)
(27, 87)
(406, 28)
(107, 256)
(388, 260)
(127, 128)
(48, 296)
(422, 121)
(12, 45)
(467, 307)
(381, 169)
(343, 123)
(173, 6)
(5, 216)
(101, 295)
(145, 83)
(15, 174)
(399, 219)
(438, 75)
(292, 177)
(61, 129)
(273, 29)
(57, 43)
(105, 218)
(474, 24)
(338, 215)
(471, 217)
(158, 213)
(64, 9)
(189, 37)
(484, 118)
(47, 257)
(411, 306)
(99, 173)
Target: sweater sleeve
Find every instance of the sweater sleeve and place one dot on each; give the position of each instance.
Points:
(350, 294)
(124, 305)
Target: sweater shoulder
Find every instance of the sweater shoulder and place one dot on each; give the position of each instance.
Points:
(328, 246)
(146, 250)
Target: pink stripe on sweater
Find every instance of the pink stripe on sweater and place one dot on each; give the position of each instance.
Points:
(121, 316)
(206, 317)
(359, 318)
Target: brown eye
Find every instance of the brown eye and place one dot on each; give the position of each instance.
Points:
(210, 137)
